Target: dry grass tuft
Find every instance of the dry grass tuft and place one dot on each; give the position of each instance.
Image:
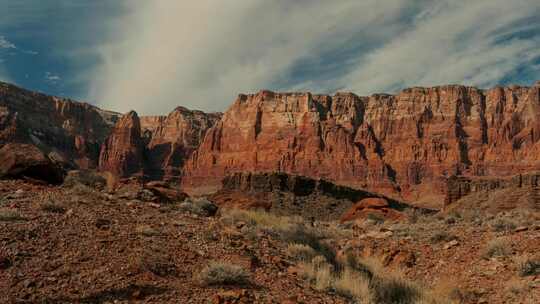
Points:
(517, 286)
(52, 207)
(501, 224)
(352, 285)
(222, 273)
(364, 280)
(9, 216)
(260, 219)
(527, 265)
(500, 247)
(199, 206)
(441, 236)
(146, 230)
(300, 252)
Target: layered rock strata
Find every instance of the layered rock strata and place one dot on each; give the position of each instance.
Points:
(405, 145)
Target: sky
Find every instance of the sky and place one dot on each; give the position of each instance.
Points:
(152, 56)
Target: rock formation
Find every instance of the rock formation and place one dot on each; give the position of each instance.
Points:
(69, 131)
(376, 208)
(172, 139)
(460, 186)
(297, 195)
(27, 161)
(404, 145)
(122, 152)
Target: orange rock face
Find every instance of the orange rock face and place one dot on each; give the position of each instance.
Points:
(73, 131)
(154, 146)
(372, 206)
(172, 139)
(122, 152)
(404, 145)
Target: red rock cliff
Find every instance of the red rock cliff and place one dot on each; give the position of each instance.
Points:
(170, 140)
(122, 152)
(70, 132)
(405, 145)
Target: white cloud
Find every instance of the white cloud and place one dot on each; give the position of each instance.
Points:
(451, 42)
(52, 78)
(201, 54)
(6, 44)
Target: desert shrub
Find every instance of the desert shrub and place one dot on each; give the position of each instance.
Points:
(318, 272)
(413, 215)
(517, 286)
(157, 264)
(394, 288)
(353, 286)
(300, 252)
(313, 238)
(497, 248)
(258, 218)
(441, 236)
(375, 218)
(527, 265)
(364, 280)
(50, 206)
(222, 273)
(146, 230)
(386, 286)
(86, 177)
(453, 217)
(503, 224)
(444, 292)
(199, 206)
(9, 216)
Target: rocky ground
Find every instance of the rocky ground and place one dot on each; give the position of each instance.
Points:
(78, 244)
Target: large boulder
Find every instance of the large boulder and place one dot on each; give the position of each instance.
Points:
(165, 193)
(377, 207)
(27, 161)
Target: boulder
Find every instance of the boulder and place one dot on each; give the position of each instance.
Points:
(165, 193)
(27, 161)
(372, 208)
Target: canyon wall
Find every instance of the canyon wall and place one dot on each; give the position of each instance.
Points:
(405, 145)
(69, 132)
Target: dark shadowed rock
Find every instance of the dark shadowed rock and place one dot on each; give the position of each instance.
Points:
(27, 161)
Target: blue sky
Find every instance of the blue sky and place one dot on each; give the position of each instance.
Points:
(152, 56)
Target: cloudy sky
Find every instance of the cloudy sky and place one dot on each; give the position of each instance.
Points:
(152, 56)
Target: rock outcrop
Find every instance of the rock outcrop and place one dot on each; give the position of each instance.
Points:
(404, 145)
(27, 161)
(377, 208)
(294, 195)
(461, 186)
(69, 131)
(81, 136)
(170, 140)
(122, 152)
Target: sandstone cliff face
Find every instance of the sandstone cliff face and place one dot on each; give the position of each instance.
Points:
(122, 152)
(171, 139)
(82, 136)
(68, 131)
(405, 145)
